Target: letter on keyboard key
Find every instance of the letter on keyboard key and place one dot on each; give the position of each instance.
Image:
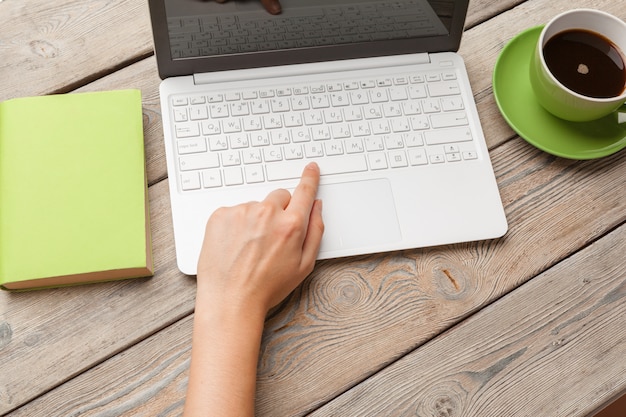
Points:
(328, 166)
(438, 137)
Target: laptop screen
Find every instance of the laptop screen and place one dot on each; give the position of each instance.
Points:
(193, 36)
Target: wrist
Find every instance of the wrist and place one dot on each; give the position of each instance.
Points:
(229, 310)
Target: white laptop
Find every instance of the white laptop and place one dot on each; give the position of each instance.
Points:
(371, 90)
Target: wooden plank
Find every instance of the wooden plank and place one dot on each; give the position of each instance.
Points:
(482, 10)
(119, 321)
(553, 347)
(49, 47)
(349, 320)
(148, 379)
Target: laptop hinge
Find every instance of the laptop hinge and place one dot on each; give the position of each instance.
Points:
(312, 68)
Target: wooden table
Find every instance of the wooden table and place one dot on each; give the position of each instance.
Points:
(532, 324)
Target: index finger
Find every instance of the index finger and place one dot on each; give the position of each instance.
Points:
(272, 6)
(304, 194)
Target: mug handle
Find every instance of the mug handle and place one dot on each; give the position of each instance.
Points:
(621, 114)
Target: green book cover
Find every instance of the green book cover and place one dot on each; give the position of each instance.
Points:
(73, 190)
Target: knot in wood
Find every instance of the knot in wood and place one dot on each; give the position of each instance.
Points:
(451, 281)
(344, 294)
(444, 400)
(44, 49)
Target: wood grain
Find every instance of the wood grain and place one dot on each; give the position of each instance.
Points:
(535, 352)
(351, 319)
(49, 47)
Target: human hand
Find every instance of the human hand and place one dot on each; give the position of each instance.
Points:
(272, 6)
(259, 252)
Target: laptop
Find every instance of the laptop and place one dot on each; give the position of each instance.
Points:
(373, 91)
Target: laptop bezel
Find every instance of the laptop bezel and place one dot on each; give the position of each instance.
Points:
(168, 67)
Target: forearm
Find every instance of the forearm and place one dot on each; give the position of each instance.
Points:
(252, 257)
(225, 349)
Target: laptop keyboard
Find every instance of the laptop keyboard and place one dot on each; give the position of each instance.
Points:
(232, 138)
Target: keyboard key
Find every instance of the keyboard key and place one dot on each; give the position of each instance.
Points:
(252, 156)
(187, 130)
(419, 122)
(233, 176)
(334, 147)
(260, 138)
(397, 159)
(452, 103)
(198, 161)
(417, 91)
(437, 159)
(218, 110)
(238, 141)
(354, 145)
(313, 150)
(439, 137)
(417, 156)
(180, 114)
(272, 154)
(198, 113)
(187, 146)
(231, 158)
(431, 106)
(449, 120)
(212, 178)
(211, 128)
(254, 174)
(444, 88)
(453, 157)
(373, 144)
(412, 139)
(377, 160)
(218, 143)
(293, 151)
(239, 109)
(379, 96)
(232, 126)
(189, 181)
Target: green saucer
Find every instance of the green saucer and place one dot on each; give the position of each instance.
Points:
(517, 103)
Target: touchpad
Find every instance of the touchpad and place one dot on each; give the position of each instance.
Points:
(358, 214)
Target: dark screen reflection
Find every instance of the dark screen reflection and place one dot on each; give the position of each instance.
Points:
(201, 28)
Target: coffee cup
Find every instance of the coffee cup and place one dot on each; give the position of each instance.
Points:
(578, 69)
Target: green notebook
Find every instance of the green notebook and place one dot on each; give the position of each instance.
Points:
(73, 190)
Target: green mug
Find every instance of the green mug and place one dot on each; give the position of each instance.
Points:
(578, 69)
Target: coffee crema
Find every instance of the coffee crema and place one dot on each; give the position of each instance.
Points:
(586, 63)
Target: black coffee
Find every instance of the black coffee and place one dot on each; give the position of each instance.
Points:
(587, 63)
